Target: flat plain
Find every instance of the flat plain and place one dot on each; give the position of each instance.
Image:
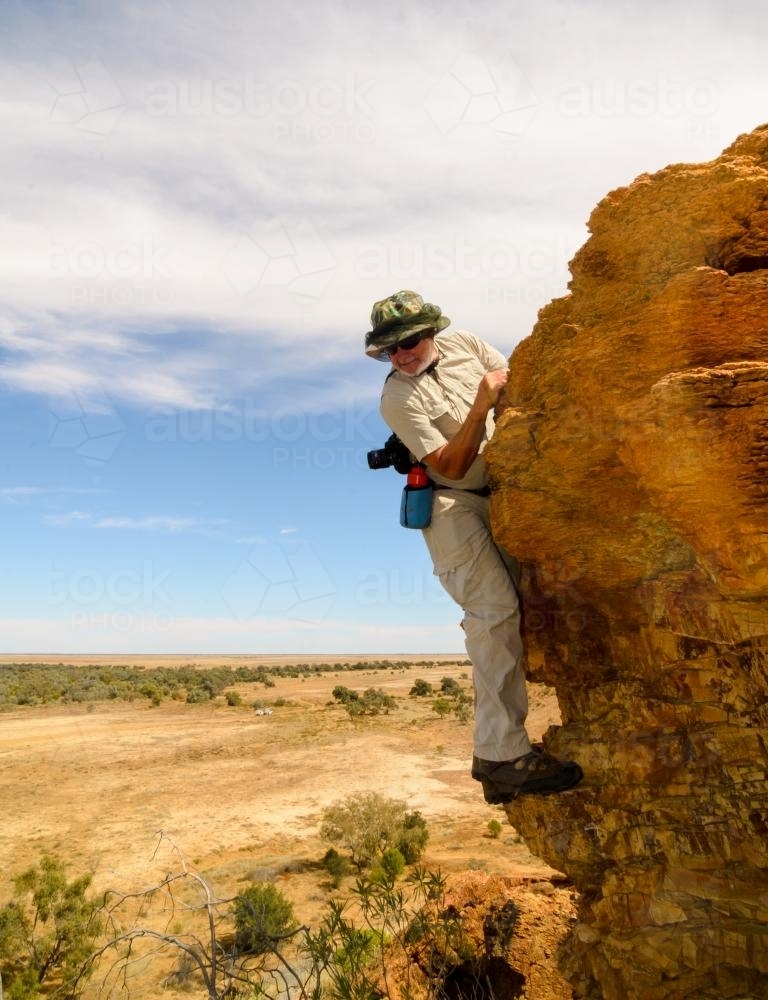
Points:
(128, 791)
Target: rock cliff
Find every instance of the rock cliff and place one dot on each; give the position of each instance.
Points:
(630, 464)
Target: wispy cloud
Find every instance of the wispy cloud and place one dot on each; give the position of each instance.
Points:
(11, 492)
(15, 493)
(160, 522)
(70, 517)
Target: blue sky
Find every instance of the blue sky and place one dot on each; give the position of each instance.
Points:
(201, 202)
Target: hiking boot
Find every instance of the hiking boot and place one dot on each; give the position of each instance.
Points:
(479, 766)
(536, 773)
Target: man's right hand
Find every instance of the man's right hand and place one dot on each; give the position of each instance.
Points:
(490, 387)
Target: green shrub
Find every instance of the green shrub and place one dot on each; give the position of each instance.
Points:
(263, 916)
(368, 824)
(375, 700)
(336, 865)
(463, 707)
(442, 706)
(494, 828)
(392, 862)
(47, 931)
(450, 687)
(421, 689)
(413, 837)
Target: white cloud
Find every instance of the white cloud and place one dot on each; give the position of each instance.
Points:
(70, 517)
(173, 193)
(160, 522)
(14, 492)
(20, 491)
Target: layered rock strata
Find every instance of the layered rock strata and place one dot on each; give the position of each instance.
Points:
(631, 472)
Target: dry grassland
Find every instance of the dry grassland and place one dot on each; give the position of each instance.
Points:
(240, 795)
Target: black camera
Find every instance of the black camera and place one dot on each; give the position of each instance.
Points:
(394, 453)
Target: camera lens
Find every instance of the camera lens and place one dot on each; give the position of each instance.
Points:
(378, 459)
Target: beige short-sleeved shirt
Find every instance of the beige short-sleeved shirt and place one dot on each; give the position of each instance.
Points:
(426, 411)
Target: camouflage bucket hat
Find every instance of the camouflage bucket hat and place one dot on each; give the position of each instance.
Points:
(400, 316)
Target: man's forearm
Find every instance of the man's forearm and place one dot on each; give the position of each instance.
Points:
(454, 458)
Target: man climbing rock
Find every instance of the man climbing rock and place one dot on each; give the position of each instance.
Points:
(439, 399)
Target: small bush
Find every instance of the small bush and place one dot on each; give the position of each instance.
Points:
(450, 687)
(234, 698)
(344, 694)
(262, 917)
(369, 824)
(442, 706)
(494, 829)
(413, 837)
(421, 689)
(197, 695)
(392, 863)
(336, 865)
(47, 931)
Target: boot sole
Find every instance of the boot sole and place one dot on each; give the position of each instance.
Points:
(569, 778)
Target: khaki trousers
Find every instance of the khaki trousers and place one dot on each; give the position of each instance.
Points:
(478, 576)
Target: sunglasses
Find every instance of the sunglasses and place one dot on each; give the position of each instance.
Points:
(404, 345)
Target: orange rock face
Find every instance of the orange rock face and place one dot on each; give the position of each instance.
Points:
(631, 467)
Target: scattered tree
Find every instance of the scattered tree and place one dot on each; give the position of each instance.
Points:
(263, 917)
(421, 689)
(344, 694)
(373, 701)
(47, 930)
(463, 706)
(368, 824)
(442, 706)
(414, 930)
(450, 687)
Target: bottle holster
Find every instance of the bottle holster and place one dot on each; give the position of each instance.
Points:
(416, 506)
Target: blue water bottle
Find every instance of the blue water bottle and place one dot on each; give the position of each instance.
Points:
(416, 501)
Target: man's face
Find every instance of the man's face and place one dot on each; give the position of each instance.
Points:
(414, 360)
